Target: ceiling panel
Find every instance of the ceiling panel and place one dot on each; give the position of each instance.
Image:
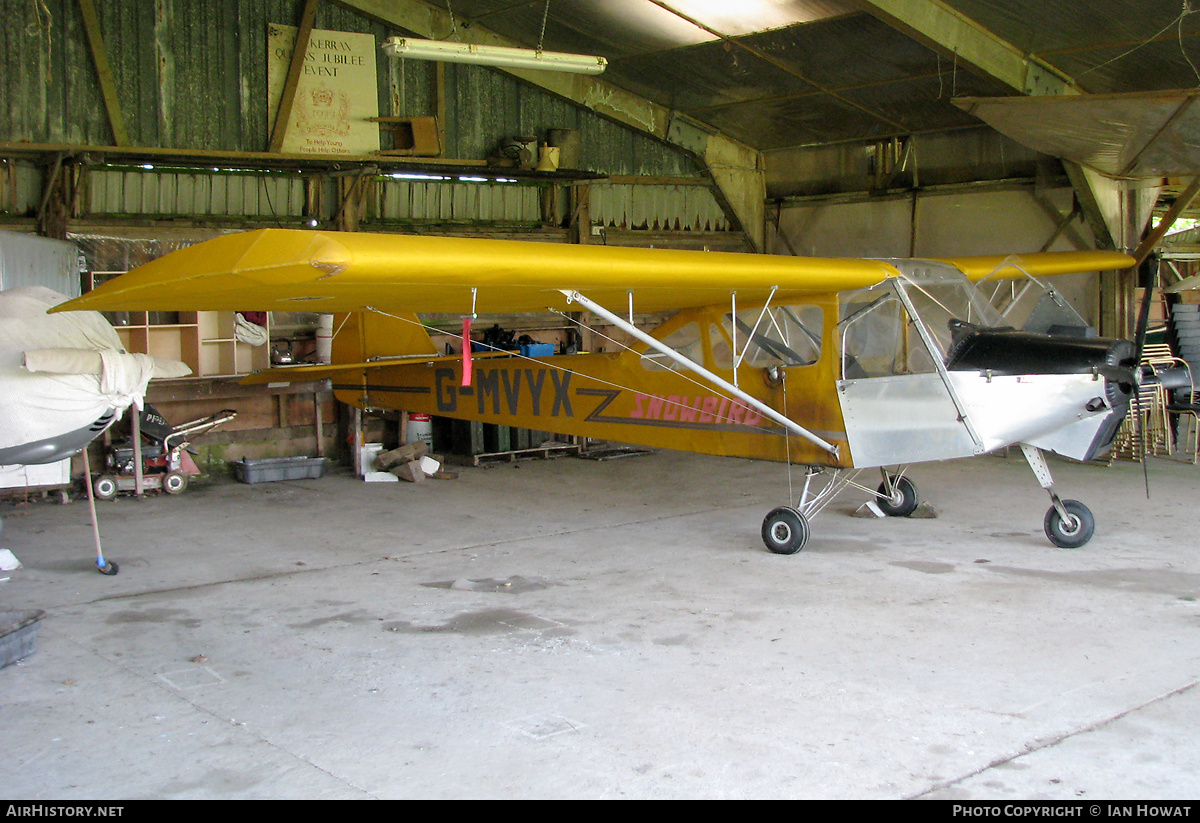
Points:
(848, 51)
(774, 73)
(1039, 26)
(747, 16)
(713, 74)
(612, 29)
(798, 121)
(922, 104)
(1154, 67)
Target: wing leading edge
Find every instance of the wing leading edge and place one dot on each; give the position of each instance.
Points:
(294, 270)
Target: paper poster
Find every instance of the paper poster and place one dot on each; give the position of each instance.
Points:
(337, 91)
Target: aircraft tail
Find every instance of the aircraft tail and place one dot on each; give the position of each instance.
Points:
(361, 341)
(363, 336)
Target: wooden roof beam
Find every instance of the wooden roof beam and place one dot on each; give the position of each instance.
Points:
(116, 119)
(952, 33)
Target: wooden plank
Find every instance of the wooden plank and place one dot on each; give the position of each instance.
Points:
(299, 51)
(116, 118)
(650, 180)
(543, 452)
(1164, 225)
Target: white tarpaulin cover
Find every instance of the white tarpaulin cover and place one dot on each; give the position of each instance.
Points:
(82, 369)
(1135, 135)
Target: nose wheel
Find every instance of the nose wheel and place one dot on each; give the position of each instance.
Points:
(1069, 524)
(1072, 531)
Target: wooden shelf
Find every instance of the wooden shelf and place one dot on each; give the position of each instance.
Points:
(205, 340)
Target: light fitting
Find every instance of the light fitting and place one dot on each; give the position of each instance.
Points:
(501, 56)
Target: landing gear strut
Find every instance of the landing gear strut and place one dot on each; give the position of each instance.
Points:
(786, 530)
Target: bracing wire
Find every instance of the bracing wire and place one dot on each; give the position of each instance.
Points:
(1186, 11)
(435, 330)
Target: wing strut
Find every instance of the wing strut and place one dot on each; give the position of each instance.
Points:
(691, 365)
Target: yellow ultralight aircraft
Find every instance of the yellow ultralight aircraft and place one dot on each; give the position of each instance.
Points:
(838, 365)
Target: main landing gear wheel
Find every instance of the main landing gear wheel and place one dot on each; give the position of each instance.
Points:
(1073, 533)
(785, 530)
(903, 499)
(105, 487)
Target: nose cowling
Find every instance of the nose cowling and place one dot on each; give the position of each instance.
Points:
(1006, 351)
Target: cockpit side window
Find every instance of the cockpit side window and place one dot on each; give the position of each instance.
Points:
(685, 340)
(781, 336)
(878, 337)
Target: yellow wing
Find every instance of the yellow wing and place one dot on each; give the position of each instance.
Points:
(292, 270)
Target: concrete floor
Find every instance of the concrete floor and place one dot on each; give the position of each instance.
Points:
(601, 630)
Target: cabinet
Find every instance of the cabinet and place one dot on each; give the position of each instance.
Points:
(220, 352)
(205, 340)
(46, 475)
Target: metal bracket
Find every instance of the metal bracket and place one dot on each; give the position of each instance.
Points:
(1037, 462)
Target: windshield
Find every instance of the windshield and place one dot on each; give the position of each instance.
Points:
(941, 293)
(880, 337)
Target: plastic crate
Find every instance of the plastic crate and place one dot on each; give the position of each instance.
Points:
(271, 469)
(18, 635)
(537, 349)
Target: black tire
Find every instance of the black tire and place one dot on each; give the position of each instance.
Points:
(175, 482)
(785, 530)
(1070, 535)
(105, 487)
(903, 502)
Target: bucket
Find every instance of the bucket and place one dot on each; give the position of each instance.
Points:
(420, 427)
(324, 338)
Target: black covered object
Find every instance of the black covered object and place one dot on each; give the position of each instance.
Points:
(1008, 351)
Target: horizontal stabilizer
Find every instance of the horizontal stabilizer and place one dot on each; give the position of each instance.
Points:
(343, 371)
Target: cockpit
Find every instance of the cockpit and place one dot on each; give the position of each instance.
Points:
(931, 318)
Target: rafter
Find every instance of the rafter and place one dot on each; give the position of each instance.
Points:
(946, 30)
(116, 119)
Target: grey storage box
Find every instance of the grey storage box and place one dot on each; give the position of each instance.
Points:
(18, 634)
(270, 469)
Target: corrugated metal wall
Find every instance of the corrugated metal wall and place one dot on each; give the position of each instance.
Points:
(26, 260)
(406, 200)
(188, 73)
(165, 192)
(20, 187)
(963, 156)
(162, 193)
(193, 74)
(657, 207)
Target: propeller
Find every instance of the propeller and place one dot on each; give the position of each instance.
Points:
(1147, 276)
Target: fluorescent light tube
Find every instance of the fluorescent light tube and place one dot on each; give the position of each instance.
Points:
(502, 56)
